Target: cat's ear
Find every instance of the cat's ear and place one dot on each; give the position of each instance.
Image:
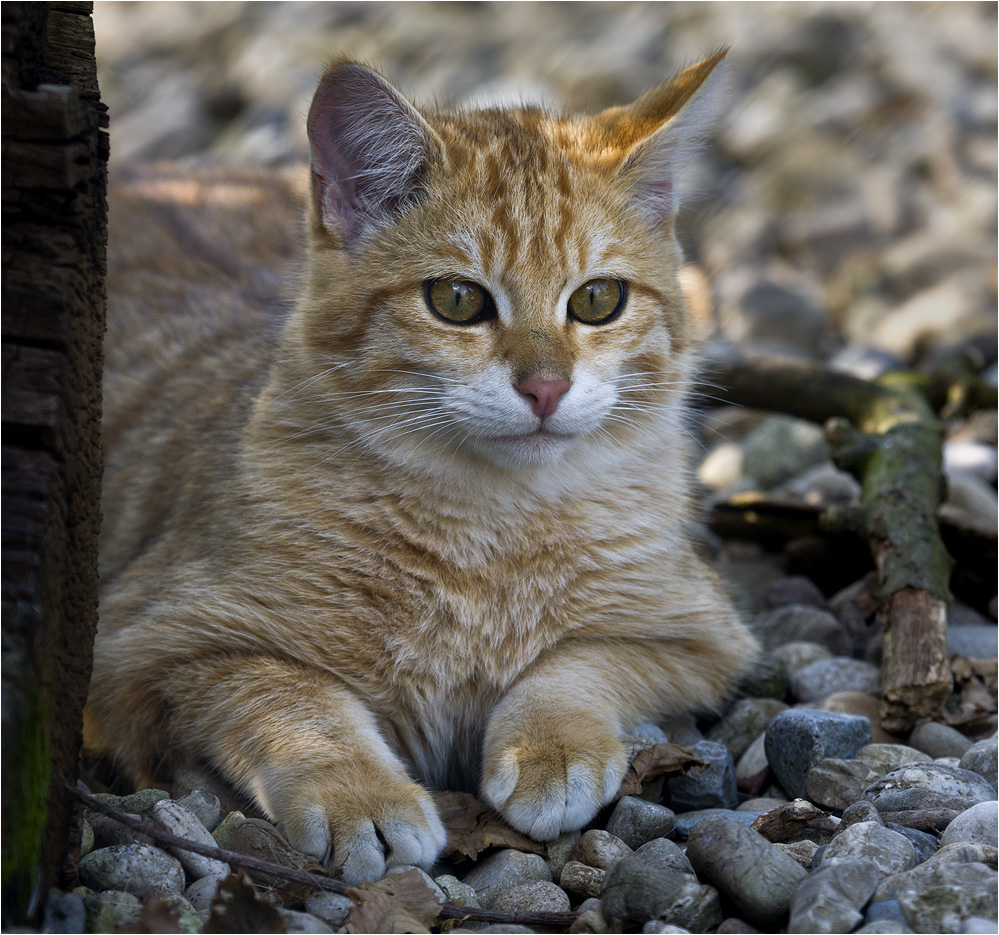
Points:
(370, 149)
(657, 137)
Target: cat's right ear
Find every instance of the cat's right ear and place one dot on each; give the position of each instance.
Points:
(370, 149)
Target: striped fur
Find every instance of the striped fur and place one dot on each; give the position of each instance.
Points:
(339, 561)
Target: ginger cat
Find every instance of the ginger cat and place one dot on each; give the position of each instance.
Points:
(431, 526)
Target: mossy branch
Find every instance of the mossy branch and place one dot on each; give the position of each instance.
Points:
(886, 434)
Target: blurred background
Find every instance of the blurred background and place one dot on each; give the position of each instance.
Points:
(847, 201)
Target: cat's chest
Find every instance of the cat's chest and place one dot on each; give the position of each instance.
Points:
(495, 621)
(427, 600)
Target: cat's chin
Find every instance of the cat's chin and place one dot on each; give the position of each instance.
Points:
(532, 450)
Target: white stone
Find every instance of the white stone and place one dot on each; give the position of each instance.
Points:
(978, 824)
(179, 820)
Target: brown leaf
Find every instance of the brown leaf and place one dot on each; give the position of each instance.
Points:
(973, 701)
(402, 902)
(258, 838)
(159, 915)
(664, 759)
(786, 822)
(473, 826)
(238, 908)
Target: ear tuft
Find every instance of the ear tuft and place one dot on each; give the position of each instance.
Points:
(370, 148)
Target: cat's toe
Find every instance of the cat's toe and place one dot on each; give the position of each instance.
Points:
(363, 839)
(366, 850)
(308, 831)
(542, 794)
(359, 854)
(412, 840)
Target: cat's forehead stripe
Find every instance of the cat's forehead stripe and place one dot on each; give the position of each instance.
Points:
(536, 204)
(529, 196)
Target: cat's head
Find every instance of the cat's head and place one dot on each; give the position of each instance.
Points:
(500, 284)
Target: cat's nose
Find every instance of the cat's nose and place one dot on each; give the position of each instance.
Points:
(543, 394)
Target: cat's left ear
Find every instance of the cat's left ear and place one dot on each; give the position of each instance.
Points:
(656, 137)
(370, 150)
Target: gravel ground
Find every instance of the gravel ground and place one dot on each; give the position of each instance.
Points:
(849, 216)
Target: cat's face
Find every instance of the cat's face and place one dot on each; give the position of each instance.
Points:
(519, 304)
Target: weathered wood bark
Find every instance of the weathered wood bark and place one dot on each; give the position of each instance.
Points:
(54, 234)
(887, 435)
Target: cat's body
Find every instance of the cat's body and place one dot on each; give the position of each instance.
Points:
(375, 538)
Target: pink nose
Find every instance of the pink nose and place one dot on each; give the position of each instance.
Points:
(542, 394)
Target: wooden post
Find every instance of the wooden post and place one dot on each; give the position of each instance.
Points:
(55, 149)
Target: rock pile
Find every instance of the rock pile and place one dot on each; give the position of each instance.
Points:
(724, 854)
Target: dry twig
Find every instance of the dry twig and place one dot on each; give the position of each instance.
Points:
(317, 880)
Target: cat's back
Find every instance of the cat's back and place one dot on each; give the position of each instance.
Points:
(192, 250)
(201, 265)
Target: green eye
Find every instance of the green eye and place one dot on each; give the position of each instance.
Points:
(598, 301)
(458, 301)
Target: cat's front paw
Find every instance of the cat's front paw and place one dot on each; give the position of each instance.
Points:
(366, 829)
(553, 778)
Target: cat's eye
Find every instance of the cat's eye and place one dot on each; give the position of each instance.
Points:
(598, 301)
(458, 301)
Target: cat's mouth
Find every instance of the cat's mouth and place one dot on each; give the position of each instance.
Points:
(540, 433)
(531, 449)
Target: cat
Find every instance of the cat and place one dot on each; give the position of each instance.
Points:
(430, 528)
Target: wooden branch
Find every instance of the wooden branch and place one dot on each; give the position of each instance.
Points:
(317, 880)
(888, 436)
(764, 517)
(796, 388)
(148, 827)
(930, 820)
(955, 386)
(775, 520)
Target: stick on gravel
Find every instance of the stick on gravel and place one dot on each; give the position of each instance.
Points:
(317, 880)
(886, 434)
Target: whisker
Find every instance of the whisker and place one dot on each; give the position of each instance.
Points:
(312, 379)
(366, 439)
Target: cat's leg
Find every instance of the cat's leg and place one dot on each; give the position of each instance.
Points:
(310, 752)
(553, 755)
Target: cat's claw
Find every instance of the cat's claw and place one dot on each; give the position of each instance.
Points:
(543, 792)
(365, 842)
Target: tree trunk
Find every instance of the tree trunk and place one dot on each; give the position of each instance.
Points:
(54, 236)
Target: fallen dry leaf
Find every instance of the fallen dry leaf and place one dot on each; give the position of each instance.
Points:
(158, 915)
(258, 838)
(786, 822)
(402, 902)
(238, 908)
(664, 759)
(472, 827)
(973, 701)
